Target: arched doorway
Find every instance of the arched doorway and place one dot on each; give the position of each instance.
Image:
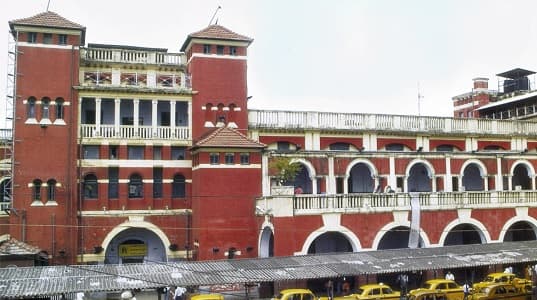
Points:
(266, 243)
(521, 177)
(361, 179)
(520, 231)
(472, 179)
(135, 245)
(419, 179)
(463, 234)
(302, 180)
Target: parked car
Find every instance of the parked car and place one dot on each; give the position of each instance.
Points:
(213, 296)
(499, 291)
(424, 294)
(295, 294)
(452, 290)
(520, 283)
(373, 291)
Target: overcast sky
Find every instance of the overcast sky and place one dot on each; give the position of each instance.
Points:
(342, 56)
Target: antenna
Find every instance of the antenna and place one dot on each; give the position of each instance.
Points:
(420, 96)
(48, 4)
(217, 9)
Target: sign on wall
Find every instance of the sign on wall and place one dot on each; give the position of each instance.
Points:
(128, 250)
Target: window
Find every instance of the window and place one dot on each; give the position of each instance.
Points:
(178, 153)
(135, 152)
(47, 38)
(340, 146)
(36, 194)
(178, 186)
(157, 152)
(90, 152)
(214, 158)
(220, 50)
(283, 146)
(395, 147)
(45, 108)
(32, 37)
(51, 190)
(113, 152)
(62, 39)
(59, 108)
(113, 182)
(31, 108)
(91, 187)
(157, 182)
(207, 49)
(136, 187)
(230, 158)
(445, 148)
(232, 50)
(245, 158)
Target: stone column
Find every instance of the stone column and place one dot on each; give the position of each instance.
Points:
(136, 116)
(154, 108)
(117, 117)
(98, 116)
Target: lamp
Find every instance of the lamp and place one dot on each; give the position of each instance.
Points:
(420, 148)
(173, 247)
(97, 249)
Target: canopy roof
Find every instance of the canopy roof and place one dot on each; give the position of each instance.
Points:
(55, 280)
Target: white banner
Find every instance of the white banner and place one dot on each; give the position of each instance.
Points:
(414, 236)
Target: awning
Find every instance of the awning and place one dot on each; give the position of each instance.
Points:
(55, 280)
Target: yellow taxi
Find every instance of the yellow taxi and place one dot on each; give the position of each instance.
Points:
(374, 291)
(492, 278)
(424, 294)
(452, 290)
(295, 294)
(499, 291)
(207, 297)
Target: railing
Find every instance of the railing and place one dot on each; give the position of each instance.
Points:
(134, 132)
(131, 56)
(387, 202)
(395, 123)
(137, 79)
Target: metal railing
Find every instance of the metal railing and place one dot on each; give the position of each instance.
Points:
(134, 132)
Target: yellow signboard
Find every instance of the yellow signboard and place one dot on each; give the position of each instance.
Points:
(127, 250)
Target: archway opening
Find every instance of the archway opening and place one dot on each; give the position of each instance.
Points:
(266, 246)
(520, 231)
(361, 179)
(302, 180)
(463, 234)
(135, 245)
(471, 178)
(419, 179)
(521, 178)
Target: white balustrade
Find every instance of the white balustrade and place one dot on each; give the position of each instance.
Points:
(131, 56)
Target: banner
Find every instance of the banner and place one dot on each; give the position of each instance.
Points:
(414, 236)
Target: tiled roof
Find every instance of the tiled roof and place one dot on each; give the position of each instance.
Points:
(216, 32)
(47, 19)
(15, 247)
(226, 137)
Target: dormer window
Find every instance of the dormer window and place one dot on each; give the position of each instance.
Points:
(206, 49)
(220, 50)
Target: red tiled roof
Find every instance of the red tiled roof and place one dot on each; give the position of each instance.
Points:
(15, 247)
(226, 137)
(47, 19)
(216, 32)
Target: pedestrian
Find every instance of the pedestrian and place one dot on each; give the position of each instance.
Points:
(346, 287)
(450, 276)
(179, 293)
(330, 289)
(466, 290)
(403, 284)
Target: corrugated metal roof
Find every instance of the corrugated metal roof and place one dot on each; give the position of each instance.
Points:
(54, 280)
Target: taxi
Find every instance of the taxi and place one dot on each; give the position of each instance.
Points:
(207, 297)
(492, 278)
(452, 290)
(424, 294)
(295, 294)
(499, 291)
(374, 291)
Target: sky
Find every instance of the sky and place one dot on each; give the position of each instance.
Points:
(361, 56)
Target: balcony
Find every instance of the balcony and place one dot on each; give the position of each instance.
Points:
(131, 56)
(293, 205)
(134, 132)
(147, 80)
(271, 119)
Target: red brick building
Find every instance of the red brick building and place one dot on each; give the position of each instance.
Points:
(130, 154)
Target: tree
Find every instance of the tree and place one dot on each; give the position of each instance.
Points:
(284, 170)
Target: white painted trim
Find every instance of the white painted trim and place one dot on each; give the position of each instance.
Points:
(396, 223)
(48, 46)
(462, 219)
(332, 222)
(482, 168)
(135, 163)
(142, 212)
(224, 166)
(217, 56)
(518, 218)
(527, 164)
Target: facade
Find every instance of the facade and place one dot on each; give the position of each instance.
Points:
(133, 154)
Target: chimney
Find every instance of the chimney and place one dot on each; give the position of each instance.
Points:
(481, 83)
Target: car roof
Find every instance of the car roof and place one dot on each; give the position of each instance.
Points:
(288, 291)
(374, 285)
(439, 280)
(420, 292)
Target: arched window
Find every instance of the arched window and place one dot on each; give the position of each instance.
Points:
(91, 187)
(45, 108)
(30, 113)
(395, 147)
(136, 186)
(51, 190)
(59, 108)
(178, 186)
(36, 194)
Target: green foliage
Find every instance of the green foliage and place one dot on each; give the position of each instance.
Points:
(284, 170)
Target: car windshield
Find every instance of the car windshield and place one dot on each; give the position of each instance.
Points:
(359, 291)
(428, 286)
(489, 279)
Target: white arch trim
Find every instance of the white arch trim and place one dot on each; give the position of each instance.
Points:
(482, 168)
(137, 224)
(356, 161)
(483, 232)
(528, 166)
(309, 166)
(4, 178)
(428, 165)
(423, 235)
(532, 221)
(352, 238)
